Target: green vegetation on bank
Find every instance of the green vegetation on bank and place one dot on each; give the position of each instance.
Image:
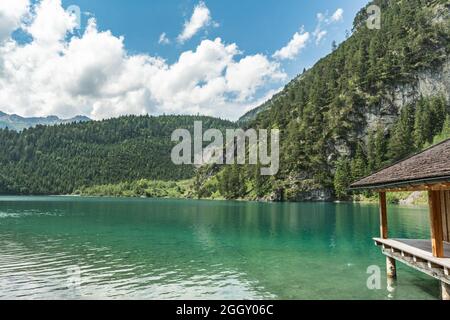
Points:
(187, 189)
(141, 188)
(405, 198)
(63, 158)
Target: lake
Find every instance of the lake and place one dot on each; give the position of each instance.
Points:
(96, 248)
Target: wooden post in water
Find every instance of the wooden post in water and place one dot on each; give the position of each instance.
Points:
(437, 234)
(383, 216)
(445, 289)
(391, 267)
(437, 237)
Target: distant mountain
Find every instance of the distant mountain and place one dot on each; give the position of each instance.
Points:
(18, 123)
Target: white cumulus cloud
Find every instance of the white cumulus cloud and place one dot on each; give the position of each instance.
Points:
(338, 15)
(324, 21)
(11, 14)
(200, 18)
(293, 48)
(93, 74)
(51, 22)
(163, 39)
(250, 73)
(319, 35)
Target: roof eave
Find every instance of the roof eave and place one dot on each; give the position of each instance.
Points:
(402, 184)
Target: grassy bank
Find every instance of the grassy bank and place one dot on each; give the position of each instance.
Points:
(186, 190)
(406, 198)
(140, 188)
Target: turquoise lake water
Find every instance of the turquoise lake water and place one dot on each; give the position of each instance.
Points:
(99, 248)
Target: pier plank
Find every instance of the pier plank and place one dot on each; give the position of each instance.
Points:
(421, 249)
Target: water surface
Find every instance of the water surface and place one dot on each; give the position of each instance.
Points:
(95, 248)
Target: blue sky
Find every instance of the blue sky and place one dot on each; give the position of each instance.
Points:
(213, 57)
(256, 26)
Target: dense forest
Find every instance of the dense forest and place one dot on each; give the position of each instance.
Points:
(60, 159)
(339, 121)
(327, 140)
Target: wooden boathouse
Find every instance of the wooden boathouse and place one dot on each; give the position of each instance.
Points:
(427, 171)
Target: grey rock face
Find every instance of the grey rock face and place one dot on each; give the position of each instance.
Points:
(316, 195)
(429, 83)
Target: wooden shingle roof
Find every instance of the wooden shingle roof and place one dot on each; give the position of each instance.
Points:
(430, 166)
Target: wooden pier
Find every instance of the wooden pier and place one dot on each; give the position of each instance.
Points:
(418, 255)
(428, 171)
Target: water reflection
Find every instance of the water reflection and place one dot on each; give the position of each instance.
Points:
(168, 249)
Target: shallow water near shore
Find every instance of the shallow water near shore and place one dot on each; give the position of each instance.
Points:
(95, 248)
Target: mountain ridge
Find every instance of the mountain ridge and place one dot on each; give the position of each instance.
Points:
(19, 123)
(439, 17)
(380, 96)
(55, 160)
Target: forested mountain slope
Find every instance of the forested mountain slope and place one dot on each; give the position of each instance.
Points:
(59, 159)
(381, 95)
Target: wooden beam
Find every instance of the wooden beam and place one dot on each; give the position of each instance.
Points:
(437, 273)
(419, 249)
(383, 216)
(437, 239)
(441, 186)
(406, 188)
(406, 254)
(432, 265)
(418, 187)
(444, 205)
(418, 259)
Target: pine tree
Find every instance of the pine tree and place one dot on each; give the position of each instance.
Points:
(445, 134)
(446, 128)
(401, 143)
(234, 182)
(334, 46)
(359, 167)
(371, 152)
(198, 184)
(258, 181)
(423, 132)
(438, 111)
(342, 178)
(376, 149)
(224, 182)
(292, 151)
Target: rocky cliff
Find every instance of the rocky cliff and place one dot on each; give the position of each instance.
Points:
(329, 114)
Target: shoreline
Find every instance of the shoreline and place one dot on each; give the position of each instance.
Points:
(365, 201)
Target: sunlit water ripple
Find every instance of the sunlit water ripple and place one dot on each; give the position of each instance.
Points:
(75, 248)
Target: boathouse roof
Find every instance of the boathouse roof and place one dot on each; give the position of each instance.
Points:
(431, 166)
